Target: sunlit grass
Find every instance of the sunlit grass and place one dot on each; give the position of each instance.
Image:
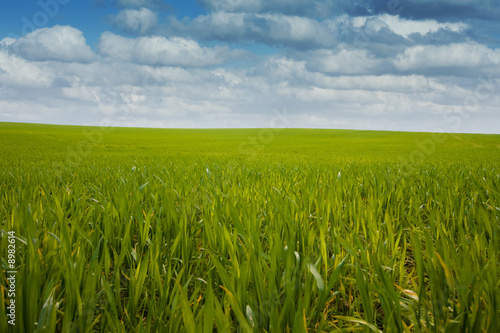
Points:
(182, 231)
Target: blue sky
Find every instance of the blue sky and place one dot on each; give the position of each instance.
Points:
(91, 17)
(417, 65)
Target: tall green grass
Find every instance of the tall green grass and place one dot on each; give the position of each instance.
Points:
(190, 235)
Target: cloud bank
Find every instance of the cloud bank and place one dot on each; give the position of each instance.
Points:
(330, 64)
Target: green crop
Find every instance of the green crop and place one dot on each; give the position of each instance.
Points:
(217, 231)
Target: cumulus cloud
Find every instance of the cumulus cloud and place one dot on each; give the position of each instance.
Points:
(380, 33)
(18, 72)
(485, 9)
(406, 27)
(133, 94)
(7, 41)
(305, 8)
(272, 29)
(455, 59)
(61, 43)
(161, 51)
(458, 60)
(443, 10)
(136, 20)
(343, 61)
(417, 9)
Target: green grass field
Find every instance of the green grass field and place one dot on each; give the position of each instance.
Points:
(249, 230)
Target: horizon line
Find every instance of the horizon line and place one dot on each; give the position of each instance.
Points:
(244, 128)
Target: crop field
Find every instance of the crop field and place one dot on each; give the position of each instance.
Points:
(248, 230)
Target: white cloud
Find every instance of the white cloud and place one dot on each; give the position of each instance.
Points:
(305, 8)
(128, 94)
(7, 41)
(464, 56)
(161, 51)
(19, 72)
(405, 27)
(410, 84)
(62, 43)
(280, 69)
(301, 29)
(342, 61)
(159, 81)
(302, 32)
(266, 28)
(136, 20)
